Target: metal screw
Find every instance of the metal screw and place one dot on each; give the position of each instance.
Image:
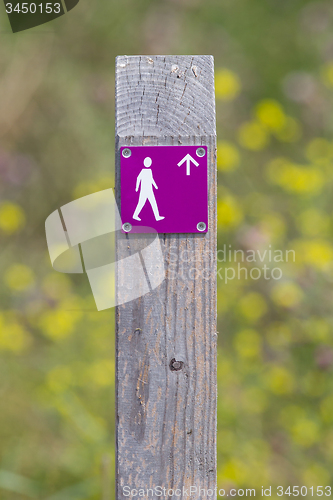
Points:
(127, 227)
(201, 152)
(175, 366)
(201, 226)
(126, 153)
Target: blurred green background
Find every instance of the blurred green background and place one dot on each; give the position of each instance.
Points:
(274, 91)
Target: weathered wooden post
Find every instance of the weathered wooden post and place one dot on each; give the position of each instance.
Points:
(166, 339)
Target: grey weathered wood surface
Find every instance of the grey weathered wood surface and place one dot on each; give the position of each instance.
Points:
(166, 420)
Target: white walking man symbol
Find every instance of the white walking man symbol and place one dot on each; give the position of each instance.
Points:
(145, 178)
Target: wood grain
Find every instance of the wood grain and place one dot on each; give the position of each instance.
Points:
(166, 418)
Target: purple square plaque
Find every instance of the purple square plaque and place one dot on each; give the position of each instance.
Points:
(164, 188)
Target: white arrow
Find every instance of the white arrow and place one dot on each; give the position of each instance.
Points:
(188, 158)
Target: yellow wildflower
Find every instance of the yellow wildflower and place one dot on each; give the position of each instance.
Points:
(273, 225)
(270, 113)
(252, 306)
(316, 475)
(229, 213)
(248, 344)
(253, 136)
(287, 294)
(13, 337)
(19, 277)
(319, 150)
(227, 84)
(279, 380)
(58, 324)
(295, 178)
(317, 253)
(227, 156)
(305, 432)
(102, 372)
(313, 222)
(290, 132)
(12, 217)
(234, 470)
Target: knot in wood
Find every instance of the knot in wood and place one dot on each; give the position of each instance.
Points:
(175, 366)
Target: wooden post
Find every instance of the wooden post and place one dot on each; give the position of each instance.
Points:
(166, 339)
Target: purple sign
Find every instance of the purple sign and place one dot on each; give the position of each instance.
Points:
(164, 188)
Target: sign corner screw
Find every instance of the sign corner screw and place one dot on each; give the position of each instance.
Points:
(127, 227)
(126, 153)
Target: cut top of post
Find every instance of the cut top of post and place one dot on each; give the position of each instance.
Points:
(158, 95)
